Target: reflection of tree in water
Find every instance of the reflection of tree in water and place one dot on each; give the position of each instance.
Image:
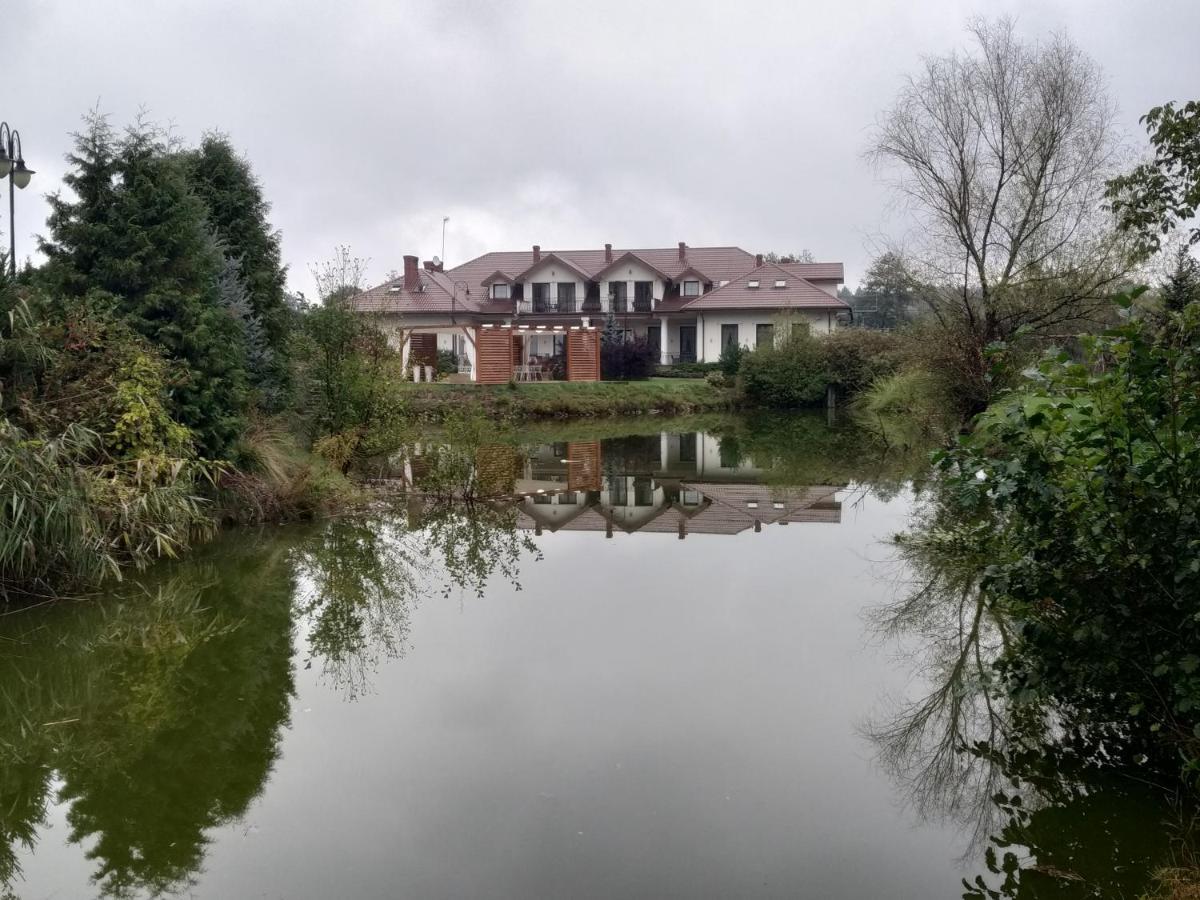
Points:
(1038, 799)
(363, 577)
(159, 714)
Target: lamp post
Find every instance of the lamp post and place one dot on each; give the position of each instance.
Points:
(12, 164)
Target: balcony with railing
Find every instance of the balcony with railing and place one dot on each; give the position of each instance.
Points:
(639, 305)
(555, 305)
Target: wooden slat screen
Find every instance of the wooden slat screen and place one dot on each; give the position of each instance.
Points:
(583, 468)
(422, 349)
(493, 355)
(583, 355)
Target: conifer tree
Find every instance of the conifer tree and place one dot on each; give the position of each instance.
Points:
(237, 213)
(137, 233)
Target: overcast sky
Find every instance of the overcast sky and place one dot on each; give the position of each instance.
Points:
(563, 124)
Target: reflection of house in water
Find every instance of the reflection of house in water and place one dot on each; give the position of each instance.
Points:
(669, 483)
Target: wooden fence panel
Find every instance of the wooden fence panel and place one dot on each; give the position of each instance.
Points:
(493, 355)
(583, 355)
(422, 349)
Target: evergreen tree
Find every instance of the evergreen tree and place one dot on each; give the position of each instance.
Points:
(237, 213)
(1183, 284)
(137, 232)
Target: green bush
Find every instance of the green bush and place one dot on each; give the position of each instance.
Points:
(1082, 489)
(856, 357)
(791, 374)
(447, 363)
(686, 370)
(731, 359)
(351, 384)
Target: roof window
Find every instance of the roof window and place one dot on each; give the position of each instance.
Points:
(780, 283)
(752, 284)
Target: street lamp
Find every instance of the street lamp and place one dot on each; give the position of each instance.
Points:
(12, 165)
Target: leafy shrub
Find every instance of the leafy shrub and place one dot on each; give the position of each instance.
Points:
(447, 363)
(627, 360)
(351, 384)
(686, 370)
(789, 374)
(1086, 484)
(856, 357)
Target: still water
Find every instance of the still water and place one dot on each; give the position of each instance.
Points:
(635, 665)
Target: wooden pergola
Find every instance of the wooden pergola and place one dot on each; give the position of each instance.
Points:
(497, 354)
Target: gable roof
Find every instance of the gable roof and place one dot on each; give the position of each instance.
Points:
(498, 276)
(620, 260)
(692, 270)
(797, 293)
(719, 263)
(437, 295)
(548, 258)
(817, 271)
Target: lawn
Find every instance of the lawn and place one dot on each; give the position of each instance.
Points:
(570, 399)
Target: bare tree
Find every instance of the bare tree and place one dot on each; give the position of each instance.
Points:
(340, 276)
(1003, 153)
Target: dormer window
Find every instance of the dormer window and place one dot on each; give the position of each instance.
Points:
(501, 291)
(752, 284)
(691, 289)
(780, 283)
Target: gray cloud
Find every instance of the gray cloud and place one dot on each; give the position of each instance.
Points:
(564, 124)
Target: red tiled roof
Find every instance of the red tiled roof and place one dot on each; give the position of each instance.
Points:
(719, 263)
(437, 296)
(797, 293)
(465, 288)
(817, 271)
(630, 254)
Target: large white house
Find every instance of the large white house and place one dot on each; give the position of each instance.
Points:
(689, 302)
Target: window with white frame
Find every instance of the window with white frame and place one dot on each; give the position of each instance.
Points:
(500, 290)
(691, 289)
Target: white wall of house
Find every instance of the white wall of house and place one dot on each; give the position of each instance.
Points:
(829, 287)
(551, 272)
(631, 272)
(820, 321)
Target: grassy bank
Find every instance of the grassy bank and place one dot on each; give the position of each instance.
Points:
(570, 399)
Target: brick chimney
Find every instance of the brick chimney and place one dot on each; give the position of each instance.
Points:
(537, 253)
(682, 252)
(758, 259)
(608, 253)
(412, 276)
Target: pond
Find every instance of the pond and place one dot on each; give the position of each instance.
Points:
(647, 660)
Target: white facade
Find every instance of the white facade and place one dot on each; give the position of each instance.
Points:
(631, 271)
(552, 272)
(708, 340)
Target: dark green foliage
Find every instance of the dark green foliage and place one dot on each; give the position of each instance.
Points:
(136, 232)
(731, 359)
(792, 373)
(887, 297)
(96, 475)
(624, 357)
(1183, 284)
(350, 383)
(237, 213)
(687, 370)
(1158, 196)
(1086, 483)
(447, 363)
(856, 357)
